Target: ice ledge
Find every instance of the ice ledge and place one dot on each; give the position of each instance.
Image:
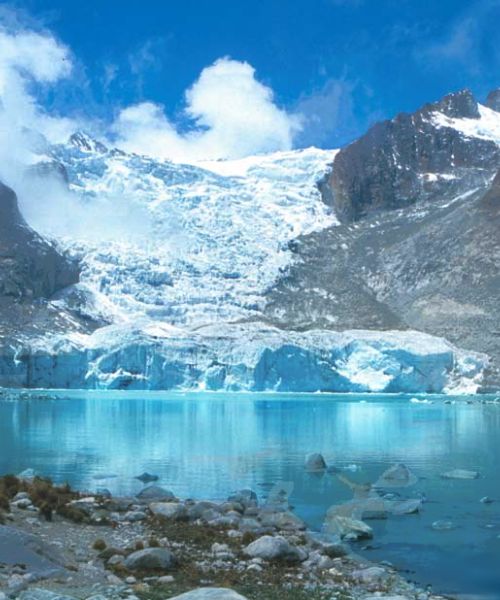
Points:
(245, 357)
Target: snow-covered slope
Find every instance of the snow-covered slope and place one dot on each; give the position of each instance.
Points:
(486, 127)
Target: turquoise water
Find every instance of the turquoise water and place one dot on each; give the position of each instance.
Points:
(206, 445)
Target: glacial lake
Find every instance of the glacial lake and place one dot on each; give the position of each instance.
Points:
(207, 445)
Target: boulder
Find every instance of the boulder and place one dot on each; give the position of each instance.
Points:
(169, 510)
(268, 547)
(156, 493)
(327, 544)
(203, 509)
(150, 559)
(286, 521)
(247, 498)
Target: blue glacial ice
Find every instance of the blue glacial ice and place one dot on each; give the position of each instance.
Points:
(248, 357)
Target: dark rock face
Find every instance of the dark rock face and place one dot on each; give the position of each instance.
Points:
(30, 267)
(410, 253)
(32, 272)
(493, 100)
(409, 159)
(459, 105)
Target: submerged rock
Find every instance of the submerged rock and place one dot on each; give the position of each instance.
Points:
(443, 525)
(405, 507)
(315, 462)
(460, 474)
(398, 475)
(147, 477)
(347, 528)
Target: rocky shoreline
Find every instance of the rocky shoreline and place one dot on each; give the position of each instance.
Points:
(57, 544)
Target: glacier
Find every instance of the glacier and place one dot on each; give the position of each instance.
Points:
(176, 264)
(245, 357)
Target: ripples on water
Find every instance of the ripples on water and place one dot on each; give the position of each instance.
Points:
(206, 445)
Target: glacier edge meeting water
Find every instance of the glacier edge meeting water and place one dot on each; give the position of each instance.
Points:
(244, 357)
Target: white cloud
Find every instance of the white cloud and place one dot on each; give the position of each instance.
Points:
(234, 115)
(26, 59)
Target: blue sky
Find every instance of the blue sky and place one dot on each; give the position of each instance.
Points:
(342, 64)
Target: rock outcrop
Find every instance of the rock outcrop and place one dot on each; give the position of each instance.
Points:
(30, 267)
(493, 100)
(413, 157)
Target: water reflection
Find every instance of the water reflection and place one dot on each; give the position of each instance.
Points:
(205, 446)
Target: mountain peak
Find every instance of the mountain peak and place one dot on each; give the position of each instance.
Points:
(457, 105)
(86, 143)
(493, 100)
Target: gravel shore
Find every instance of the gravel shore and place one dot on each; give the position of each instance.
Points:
(57, 544)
